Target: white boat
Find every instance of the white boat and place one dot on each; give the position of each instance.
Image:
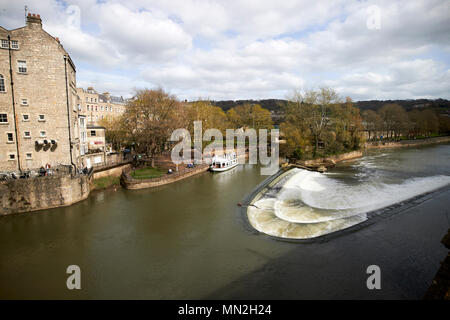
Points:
(224, 162)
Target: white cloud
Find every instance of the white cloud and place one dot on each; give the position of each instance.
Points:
(253, 49)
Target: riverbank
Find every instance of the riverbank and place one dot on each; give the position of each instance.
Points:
(303, 206)
(323, 164)
(128, 182)
(187, 241)
(405, 143)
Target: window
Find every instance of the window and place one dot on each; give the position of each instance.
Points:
(22, 66)
(25, 117)
(92, 99)
(29, 155)
(27, 134)
(14, 44)
(11, 156)
(42, 134)
(2, 83)
(9, 137)
(3, 118)
(88, 108)
(24, 102)
(5, 44)
(92, 133)
(41, 117)
(95, 108)
(102, 108)
(87, 99)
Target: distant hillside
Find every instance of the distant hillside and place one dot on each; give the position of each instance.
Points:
(276, 105)
(269, 104)
(441, 105)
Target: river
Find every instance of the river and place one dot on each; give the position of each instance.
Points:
(188, 240)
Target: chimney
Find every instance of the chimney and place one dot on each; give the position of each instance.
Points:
(107, 96)
(34, 20)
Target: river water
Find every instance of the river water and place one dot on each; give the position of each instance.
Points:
(188, 240)
(303, 204)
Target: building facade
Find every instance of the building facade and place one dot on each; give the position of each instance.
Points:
(97, 106)
(39, 113)
(96, 138)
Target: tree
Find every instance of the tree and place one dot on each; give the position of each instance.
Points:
(394, 118)
(431, 121)
(115, 133)
(250, 116)
(372, 122)
(313, 108)
(150, 118)
(320, 120)
(210, 115)
(444, 124)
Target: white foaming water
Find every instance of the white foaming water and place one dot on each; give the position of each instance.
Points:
(311, 204)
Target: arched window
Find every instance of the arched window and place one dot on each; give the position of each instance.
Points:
(2, 83)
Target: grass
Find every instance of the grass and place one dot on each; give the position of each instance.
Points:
(147, 173)
(106, 182)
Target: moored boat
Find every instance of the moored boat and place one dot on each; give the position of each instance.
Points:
(224, 162)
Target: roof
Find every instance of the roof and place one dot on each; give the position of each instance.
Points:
(95, 127)
(118, 100)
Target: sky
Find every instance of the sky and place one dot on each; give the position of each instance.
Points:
(251, 49)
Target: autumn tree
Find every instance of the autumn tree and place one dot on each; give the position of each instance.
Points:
(320, 119)
(210, 115)
(395, 120)
(115, 133)
(150, 118)
(250, 116)
(444, 124)
(372, 122)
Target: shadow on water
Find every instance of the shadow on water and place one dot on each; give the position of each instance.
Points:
(406, 247)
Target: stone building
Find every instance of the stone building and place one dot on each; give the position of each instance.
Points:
(97, 106)
(39, 119)
(96, 138)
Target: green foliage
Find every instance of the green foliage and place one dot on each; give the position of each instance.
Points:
(250, 116)
(106, 182)
(147, 173)
(393, 122)
(319, 123)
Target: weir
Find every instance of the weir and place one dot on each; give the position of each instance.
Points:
(302, 204)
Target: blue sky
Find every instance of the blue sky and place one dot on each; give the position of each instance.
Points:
(252, 49)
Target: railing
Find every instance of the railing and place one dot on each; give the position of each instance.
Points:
(165, 177)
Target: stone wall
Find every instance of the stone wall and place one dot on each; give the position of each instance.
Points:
(405, 143)
(111, 171)
(335, 158)
(128, 182)
(23, 195)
